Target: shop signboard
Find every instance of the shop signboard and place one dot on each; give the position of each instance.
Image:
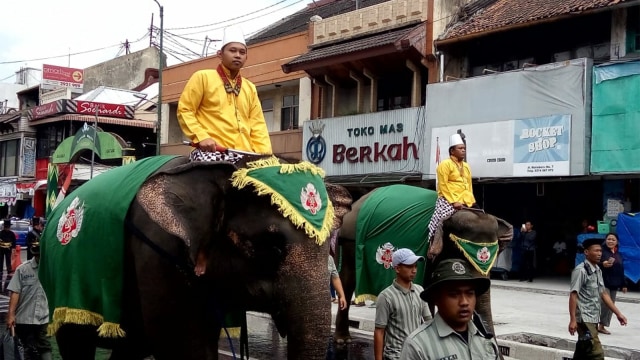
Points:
(54, 77)
(28, 168)
(531, 147)
(384, 142)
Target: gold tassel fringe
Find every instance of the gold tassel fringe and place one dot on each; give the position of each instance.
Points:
(241, 179)
(364, 297)
(234, 333)
(111, 330)
(65, 315)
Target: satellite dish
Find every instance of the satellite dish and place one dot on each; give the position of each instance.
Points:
(315, 18)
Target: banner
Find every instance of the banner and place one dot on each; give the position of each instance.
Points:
(28, 168)
(514, 148)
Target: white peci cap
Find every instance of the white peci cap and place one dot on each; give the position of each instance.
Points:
(233, 34)
(455, 139)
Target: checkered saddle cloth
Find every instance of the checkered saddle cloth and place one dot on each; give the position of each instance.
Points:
(199, 155)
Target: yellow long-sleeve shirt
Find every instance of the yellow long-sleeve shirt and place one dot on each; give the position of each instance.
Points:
(455, 185)
(206, 110)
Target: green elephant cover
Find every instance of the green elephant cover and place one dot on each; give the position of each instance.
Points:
(392, 217)
(82, 247)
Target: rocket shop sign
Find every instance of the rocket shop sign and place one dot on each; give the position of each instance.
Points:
(375, 143)
(54, 77)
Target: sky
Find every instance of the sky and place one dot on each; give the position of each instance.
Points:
(31, 30)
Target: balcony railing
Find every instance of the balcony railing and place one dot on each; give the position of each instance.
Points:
(372, 19)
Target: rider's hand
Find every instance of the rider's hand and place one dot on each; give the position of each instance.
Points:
(207, 145)
(457, 205)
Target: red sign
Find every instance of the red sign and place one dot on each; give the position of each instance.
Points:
(54, 77)
(111, 110)
(59, 73)
(45, 110)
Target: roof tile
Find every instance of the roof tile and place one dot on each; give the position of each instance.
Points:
(376, 40)
(502, 13)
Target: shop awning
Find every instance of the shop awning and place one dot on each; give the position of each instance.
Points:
(101, 120)
(365, 47)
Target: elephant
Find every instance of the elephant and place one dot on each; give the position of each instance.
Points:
(471, 224)
(256, 260)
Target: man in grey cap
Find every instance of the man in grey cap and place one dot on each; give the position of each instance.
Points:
(456, 332)
(399, 309)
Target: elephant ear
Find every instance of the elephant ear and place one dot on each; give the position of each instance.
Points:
(341, 200)
(505, 230)
(188, 201)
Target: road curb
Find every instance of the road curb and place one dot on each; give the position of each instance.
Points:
(496, 285)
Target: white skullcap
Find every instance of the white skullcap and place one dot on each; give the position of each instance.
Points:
(455, 139)
(233, 34)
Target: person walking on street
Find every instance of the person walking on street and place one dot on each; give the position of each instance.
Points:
(337, 284)
(399, 309)
(7, 244)
(34, 235)
(456, 331)
(612, 266)
(528, 236)
(29, 310)
(587, 288)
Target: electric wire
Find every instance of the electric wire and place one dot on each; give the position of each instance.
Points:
(228, 20)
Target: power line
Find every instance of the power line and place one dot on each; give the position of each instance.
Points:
(66, 55)
(8, 77)
(235, 18)
(243, 21)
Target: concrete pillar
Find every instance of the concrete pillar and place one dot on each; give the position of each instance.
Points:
(332, 95)
(619, 33)
(359, 90)
(416, 88)
(304, 100)
(373, 100)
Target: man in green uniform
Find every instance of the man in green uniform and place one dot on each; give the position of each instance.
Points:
(587, 288)
(456, 331)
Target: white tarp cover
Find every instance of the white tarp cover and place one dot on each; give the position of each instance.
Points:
(495, 102)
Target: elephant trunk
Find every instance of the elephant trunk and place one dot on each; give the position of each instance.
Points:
(483, 307)
(305, 293)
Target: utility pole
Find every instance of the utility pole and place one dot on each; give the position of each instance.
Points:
(93, 150)
(159, 107)
(151, 32)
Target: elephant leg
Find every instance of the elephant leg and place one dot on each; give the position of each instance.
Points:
(171, 303)
(77, 342)
(348, 278)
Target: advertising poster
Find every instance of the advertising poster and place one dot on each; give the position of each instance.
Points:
(514, 148)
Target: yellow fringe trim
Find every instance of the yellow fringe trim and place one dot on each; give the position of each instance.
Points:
(241, 179)
(469, 258)
(234, 333)
(362, 298)
(65, 315)
(111, 330)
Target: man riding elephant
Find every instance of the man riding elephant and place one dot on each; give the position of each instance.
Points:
(454, 186)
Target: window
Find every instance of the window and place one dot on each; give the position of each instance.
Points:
(49, 138)
(289, 114)
(633, 29)
(9, 159)
(267, 111)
